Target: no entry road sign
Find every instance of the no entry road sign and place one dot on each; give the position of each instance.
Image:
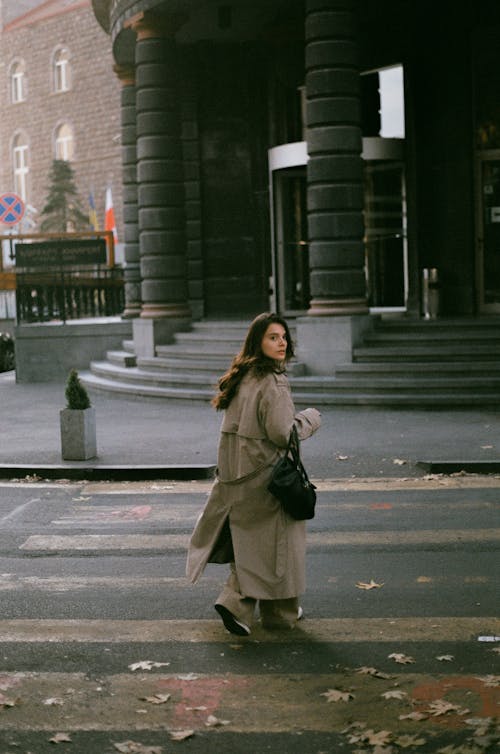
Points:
(11, 209)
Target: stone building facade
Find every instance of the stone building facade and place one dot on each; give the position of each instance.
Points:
(59, 98)
(258, 173)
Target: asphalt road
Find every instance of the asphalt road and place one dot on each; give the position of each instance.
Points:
(399, 650)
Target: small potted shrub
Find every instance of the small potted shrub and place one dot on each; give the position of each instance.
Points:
(78, 427)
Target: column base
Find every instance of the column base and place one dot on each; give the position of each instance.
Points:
(152, 332)
(337, 307)
(132, 310)
(325, 342)
(160, 311)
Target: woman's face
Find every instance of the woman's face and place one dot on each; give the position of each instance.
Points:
(274, 342)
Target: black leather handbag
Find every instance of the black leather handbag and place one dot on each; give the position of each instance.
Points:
(290, 483)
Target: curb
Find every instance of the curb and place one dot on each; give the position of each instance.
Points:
(113, 473)
(451, 467)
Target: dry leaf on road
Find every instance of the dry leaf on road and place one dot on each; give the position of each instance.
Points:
(394, 694)
(401, 658)
(370, 585)
(213, 722)
(156, 699)
(365, 670)
(60, 738)
(134, 747)
(442, 707)
(335, 695)
(445, 658)
(181, 735)
(53, 701)
(404, 742)
(148, 665)
(414, 716)
(489, 680)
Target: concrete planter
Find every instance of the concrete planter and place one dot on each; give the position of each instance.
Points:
(78, 434)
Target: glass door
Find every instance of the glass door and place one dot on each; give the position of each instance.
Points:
(291, 240)
(488, 244)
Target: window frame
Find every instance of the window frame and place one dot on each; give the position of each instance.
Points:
(61, 70)
(17, 81)
(20, 167)
(61, 142)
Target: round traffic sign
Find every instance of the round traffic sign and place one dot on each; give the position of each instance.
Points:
(12, 209)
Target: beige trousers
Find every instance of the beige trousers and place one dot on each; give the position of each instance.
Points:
(273, 613)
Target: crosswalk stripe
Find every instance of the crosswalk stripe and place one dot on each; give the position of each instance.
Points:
(269, 703)
(337, 484)
(10, 582)
(171, 542)
(343, 484)
(407, 629)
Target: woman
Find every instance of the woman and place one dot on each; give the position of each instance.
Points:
(266, 547)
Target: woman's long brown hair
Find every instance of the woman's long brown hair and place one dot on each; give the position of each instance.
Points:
(250, 357)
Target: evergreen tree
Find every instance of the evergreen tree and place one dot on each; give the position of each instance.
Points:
(62, 210)
(76, 394)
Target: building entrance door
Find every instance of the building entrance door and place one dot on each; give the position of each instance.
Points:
(488, 224)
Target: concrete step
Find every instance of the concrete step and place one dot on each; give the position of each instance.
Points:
(122, 358)
(411, 369)
(440, 325)
(434, 399)
(423, 353)
(137, 375)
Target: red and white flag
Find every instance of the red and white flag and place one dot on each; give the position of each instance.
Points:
(109, 215)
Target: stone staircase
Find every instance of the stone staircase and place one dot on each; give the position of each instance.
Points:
(402, 362)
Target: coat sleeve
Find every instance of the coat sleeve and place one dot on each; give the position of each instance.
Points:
(277, 413)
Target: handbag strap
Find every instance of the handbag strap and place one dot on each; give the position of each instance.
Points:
(293, 448)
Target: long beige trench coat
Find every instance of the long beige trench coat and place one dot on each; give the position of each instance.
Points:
(269, 546)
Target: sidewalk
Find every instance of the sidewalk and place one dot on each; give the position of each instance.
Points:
(353, 441)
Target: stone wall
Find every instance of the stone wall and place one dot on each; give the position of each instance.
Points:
(91, 106)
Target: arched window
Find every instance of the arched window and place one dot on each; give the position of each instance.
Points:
(64, 142)
(61, 70)
(17, 81)
(20, 164)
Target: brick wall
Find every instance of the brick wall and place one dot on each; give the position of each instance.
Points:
(91, 107)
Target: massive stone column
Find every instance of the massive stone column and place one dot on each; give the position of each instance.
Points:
(132, 272)
(334, 172)
(335, 188)
(160, 183)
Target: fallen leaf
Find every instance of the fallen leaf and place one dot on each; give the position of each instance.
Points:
(187, 677)
(394, 694)
(6, 702)
(402, 659)
(181, 735)
(148, 665)
(445, 658)
(213, 722)
(399, 461)
(335, 695)
(53, 701)
(341, 458)
(404, 742)
(60, 738)
(196, 709)
(442, 707)
(156, 699)
(364, 670)
(414, 716)
(490, 680)
(134, 747)
(379, 738)
(370, 585)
